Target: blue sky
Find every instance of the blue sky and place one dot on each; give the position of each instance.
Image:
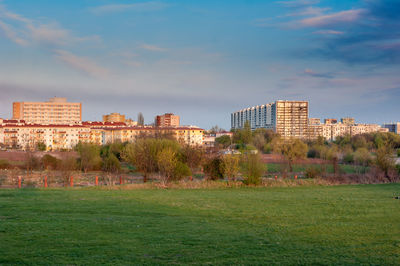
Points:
(203, 59)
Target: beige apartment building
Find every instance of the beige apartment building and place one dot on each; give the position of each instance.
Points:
(114, 117)
(167, 120)
(55, 111)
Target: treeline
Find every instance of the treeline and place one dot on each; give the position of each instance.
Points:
(377, 150)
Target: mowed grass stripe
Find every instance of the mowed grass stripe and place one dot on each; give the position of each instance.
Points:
(325, 225)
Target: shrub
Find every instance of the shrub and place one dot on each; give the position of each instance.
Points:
(398, 152)
(348, 158)
(111, 164)
(4, 164)
(252, 169)
(213, 168)
(313, 172)
(181, 170)
(49, 162)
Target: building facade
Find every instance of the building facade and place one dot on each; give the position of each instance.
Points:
(287, 118)
(167, 120)
(55, 111)
(114, 117)
(393, 127)
(17, 134)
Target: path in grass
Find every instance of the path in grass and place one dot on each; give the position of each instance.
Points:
(302, 225)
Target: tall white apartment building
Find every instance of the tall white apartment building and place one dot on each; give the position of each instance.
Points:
(287, 118)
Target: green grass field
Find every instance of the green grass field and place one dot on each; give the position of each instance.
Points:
(297, 168)
(357, 224)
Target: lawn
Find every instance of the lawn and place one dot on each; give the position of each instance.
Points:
(358, 224)
(297, 168)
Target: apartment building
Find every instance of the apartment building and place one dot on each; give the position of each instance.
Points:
(393, 127)
(186, 135)
(114, 117)
(55, 111)
(287, 118)
(17, 134)
(332, 129)
(167, 120)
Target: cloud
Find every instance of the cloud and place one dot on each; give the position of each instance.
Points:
(333, 19)
(153, 48)
(312, 73)
(138, 7)
(82, 64)
(328, 32)
(24, 31)
(368, 33)
(12, 35)
(298, 3)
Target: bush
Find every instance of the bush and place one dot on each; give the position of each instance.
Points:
(181, 170)
(4, 164)
(313, 172)
(49, 162)
(213, 168)
(252, 169)
(398, 152)
(348, 158)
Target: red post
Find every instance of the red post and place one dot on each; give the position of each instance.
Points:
(71, 181)
(97, 180)
(19, 182)
(295, 177)
(45, 181)
(276, 177)
(120, 180)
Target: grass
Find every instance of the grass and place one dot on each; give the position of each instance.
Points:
(297, 168)
(358, 224)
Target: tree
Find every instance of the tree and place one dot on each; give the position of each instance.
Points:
(111, 164)
(215, 129)
(231, 166)
(385, 160)
(192, 156)
(259, 141)
(66, 166)
(224, 141)
(253, 169)
(140, 119)
(89, 156)
(49, 162)
(213, 168)
(243, 135)
(167, 162)
(41, 146)
(292, 150)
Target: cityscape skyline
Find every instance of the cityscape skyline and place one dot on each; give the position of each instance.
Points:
(203, 60)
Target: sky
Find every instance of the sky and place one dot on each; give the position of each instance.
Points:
(204, 59)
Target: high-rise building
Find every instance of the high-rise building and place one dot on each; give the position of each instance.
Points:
(167, 120)
(348, 121)
(114, 117)
(55, 111)
(393, 127)
(287, 118)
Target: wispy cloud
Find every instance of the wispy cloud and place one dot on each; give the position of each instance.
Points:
(328, 32)
(12, 34)
(153, 48)
(298, 3)
(333, 19)
(312, 73)
(82, 64)
(138, 7)
(25, 31)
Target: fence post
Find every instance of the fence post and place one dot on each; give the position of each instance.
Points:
(120, 180)
(97, 180)
(71, 181)
(19, 181)
(295, 177)
(276, 177)
(45, 181)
